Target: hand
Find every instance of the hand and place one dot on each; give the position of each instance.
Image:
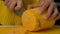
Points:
(46, 4)
(14, 4)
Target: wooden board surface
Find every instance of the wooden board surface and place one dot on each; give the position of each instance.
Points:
(20, 30)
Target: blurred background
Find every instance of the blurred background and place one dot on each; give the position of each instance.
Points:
(58, 5)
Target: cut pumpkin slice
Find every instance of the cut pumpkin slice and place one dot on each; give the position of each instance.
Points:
(33, 21)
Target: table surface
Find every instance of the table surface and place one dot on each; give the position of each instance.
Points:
(19, 30)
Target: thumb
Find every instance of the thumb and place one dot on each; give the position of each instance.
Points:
(19, 5)
(33, 6)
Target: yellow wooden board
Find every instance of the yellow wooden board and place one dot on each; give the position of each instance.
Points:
(54, 30)
(20, 30)
(11, 30)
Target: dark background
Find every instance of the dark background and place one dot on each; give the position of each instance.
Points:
(58, 5)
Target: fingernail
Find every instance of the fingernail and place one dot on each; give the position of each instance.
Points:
(45, 17)
(40, 12)
(10, 8)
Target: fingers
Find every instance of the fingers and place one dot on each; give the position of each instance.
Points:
(50, 10)
(19, 5)
(6, 1)
(55, 13)
(36, 5)
(12, 5)
(44, 7)
(29, 7)
(42, 3)
(58, 17)
(33, 6)
(8, 4)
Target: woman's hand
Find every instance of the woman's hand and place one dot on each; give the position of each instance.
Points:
(14, 4)
(47, 4)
